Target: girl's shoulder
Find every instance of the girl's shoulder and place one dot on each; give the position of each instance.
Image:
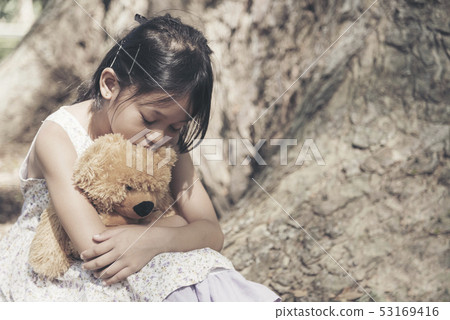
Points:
(50, 144)
(80, 111)
(53, 140)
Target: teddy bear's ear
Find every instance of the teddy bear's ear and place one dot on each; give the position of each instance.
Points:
(105, 149)
(82, 176)
(94, 171)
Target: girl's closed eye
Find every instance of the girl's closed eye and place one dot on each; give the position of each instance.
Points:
(147, 122)
(172, 128)
(176, 129)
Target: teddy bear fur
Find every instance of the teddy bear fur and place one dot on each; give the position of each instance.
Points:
(127, 184)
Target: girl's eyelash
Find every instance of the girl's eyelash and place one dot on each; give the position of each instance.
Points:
(147, 122)
(174, 129)
(151, 122)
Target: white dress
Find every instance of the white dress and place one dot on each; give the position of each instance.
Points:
(164, 274)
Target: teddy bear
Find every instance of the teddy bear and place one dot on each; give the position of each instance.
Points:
(126, 183)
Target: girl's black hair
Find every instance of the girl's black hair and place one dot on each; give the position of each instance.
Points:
(171, 57)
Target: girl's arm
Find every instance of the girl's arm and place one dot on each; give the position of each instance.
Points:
(194, 207)
(193, 203)
(55, 156)
(124, 250)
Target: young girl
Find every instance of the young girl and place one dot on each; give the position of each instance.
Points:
(158, 79)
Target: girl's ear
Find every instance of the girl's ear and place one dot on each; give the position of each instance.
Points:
(109, 85)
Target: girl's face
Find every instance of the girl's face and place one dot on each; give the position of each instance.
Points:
(145, 122)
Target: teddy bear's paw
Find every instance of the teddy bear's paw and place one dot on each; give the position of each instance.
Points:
(47, 262)
(48, 268)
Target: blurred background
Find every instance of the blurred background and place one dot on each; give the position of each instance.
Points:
(16, 18)
(368, 81)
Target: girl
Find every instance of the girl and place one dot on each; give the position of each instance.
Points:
(157, 79)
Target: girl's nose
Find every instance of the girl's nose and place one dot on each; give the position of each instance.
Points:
(154, 136)
(157, 138)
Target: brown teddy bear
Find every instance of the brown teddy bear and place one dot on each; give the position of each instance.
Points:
(121, 192)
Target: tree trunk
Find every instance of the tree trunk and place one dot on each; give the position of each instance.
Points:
(369, 89)
(376, 106)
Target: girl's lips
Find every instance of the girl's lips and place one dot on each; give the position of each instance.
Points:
(147, 144)
(142, 134)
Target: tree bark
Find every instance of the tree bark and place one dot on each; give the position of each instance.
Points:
(376, 106)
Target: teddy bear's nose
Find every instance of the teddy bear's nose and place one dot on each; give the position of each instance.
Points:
(144, 208)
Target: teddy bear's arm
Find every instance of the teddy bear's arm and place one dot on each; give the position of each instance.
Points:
(51, 250)
(114, 219)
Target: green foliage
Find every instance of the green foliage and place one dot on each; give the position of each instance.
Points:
(7, 45)
(9, 8)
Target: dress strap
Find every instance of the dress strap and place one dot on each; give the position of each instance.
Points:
(77, 134)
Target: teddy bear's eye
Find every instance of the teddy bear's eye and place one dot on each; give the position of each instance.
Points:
(129, 188)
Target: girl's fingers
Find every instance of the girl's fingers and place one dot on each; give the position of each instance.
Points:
(109, 271)
(105, 235)
(121, 275)
(96, 250)
(101, 261)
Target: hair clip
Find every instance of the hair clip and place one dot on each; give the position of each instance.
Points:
(134, 60)
(140, 19)
(118, 50)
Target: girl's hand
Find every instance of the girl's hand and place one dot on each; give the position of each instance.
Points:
(120, 252)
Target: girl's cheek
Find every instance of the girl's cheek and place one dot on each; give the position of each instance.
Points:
(175, 139)
(172, 142)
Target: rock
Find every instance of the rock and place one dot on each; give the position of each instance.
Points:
(395, 187)
(283, 279)
(361, 139)
(349, 294)
(11, 201)
(386, 157)
(370, 165)
(299, 293)
(444, 178)
(422, 164)
(351, 168)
